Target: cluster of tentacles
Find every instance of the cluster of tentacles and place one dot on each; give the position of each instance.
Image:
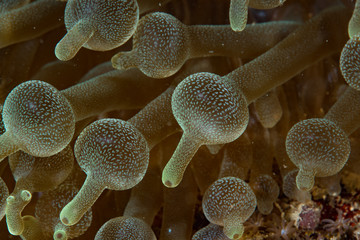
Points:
(216, 110)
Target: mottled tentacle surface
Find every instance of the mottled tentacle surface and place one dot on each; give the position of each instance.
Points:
(127, 228)
(114, 155)
(98, 25)
(229, 202)
(162, 44)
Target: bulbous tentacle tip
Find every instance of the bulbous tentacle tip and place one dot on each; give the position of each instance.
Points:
(16, 230)
(63, 53)
(15, 205)
(234, 231)
(60, 235)
(349, 61)
(238, 15)
(73, 40)
(10, 200)
(170, 181)
(175, 168)
(26, 195)
(305, 180)
(65, 220)
(59, 53)
(168, 184)
(237, 27)
(66, 216)
(124, 60)
(71, 215)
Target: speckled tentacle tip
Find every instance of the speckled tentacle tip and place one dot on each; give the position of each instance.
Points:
(48, 208)
(127, 228)
(32, 20)
(238, 11)
(354, 24)
(4, 194)
(213, 110)
(156, 120)
(320, 146)
(114, 155)
(229, 202)
(98, 25)
(38, 120)
(238, 14)
(209, 112)
(211, 231)
(291, 190)
(34, 174)
(350, 60)
(162, 44)
(14, 206)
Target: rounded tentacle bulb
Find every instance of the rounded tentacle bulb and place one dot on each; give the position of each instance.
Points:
(209, 111)
(350, 62)
(319, 148)
(99, 25)
(229, 202)
(113, 150)
(114, 155)
(38, 120)
(160, 46)
(127, 228)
